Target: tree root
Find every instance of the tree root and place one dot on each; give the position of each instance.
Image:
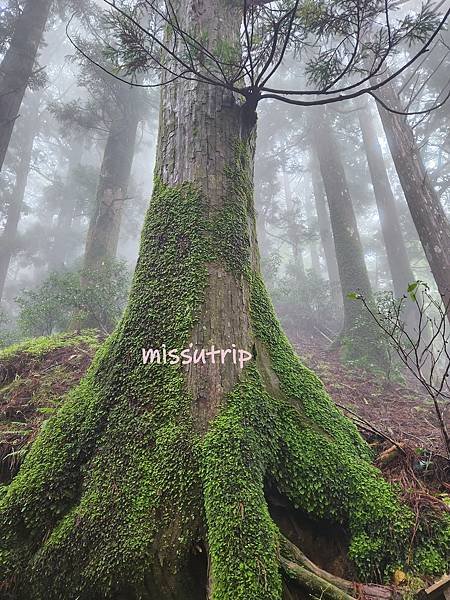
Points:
(308, 575)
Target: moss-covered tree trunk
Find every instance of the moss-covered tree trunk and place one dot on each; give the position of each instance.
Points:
(17, 66)
(150, 481)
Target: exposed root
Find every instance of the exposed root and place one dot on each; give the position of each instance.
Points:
(313, 583)
(295, 564)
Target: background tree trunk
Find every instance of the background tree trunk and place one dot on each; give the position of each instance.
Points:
(353, 274)
(8, 238)
(426, 210)
(17, 66)
(326, 235)
(398, 260)
(104, 226)
(66, 212)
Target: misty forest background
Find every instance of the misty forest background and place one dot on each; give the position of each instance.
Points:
(352, 204)
(77, 179)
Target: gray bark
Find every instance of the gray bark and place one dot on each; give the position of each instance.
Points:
(399, 265)
(349, 251)
(9, 235)
(17, 66)
(66, 213)
(326, 235)
(104, 227)
(426, 210)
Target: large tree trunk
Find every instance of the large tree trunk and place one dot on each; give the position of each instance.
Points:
(17, 66)
(150, 481)
(360, 339)
(8, 239)
(398, 260)
(428, 215)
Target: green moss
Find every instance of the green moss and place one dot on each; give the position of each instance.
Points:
(119, 487)
(231, 227)
(39, 346)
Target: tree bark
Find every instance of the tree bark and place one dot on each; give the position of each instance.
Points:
(426, 210)
(397, 255)
(104, 226)
(147, 468)
(9, 236)
(17, 66)
(361, 341)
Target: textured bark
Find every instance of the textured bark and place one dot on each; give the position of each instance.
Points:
(9, 235)
(349, 251)
(148, 466)
(426, 210)
(104, 227)
(326, 235)
(17, 66)
(200, 127)
(399, 265)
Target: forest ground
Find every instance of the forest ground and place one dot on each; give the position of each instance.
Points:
(408, 446)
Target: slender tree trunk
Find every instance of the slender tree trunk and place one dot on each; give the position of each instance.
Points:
(361, 341)
(293, 232)
(150, 481)
(399, 265)
(326, 235)
(66, 212)
(426, 210)
(104, 227)
(9, 235)
(17, 66)
(313, 250)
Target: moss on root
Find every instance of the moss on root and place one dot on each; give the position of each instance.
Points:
(119, 488)
(36, 347)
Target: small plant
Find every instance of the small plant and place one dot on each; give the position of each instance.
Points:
(63, 299)
(416, 327)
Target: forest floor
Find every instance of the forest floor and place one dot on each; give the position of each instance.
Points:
(408, 444)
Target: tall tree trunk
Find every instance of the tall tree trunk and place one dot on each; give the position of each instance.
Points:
(8, 238)
(399, 265)
(148, 468)
(66, 212)
(360, 338)
(104, 226)
(313, 250)
(426, 210)
(293, 232)
(326, 235)
(17, 66)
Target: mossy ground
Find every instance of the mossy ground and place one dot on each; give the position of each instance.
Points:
(119, 488)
